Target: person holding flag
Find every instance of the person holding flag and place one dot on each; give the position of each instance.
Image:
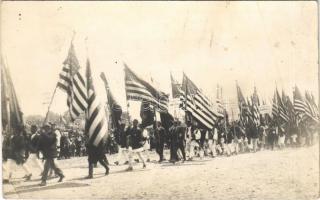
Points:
(96, 128)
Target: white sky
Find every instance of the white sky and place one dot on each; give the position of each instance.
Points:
(259, 43)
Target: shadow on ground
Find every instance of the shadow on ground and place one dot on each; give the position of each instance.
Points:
(36, 187)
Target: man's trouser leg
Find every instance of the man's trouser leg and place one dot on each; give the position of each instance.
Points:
(182, 149)
(47, 166)
(34, 159)
(56, 168)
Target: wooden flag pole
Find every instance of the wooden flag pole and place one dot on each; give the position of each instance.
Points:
(55, 89)
(49, 106)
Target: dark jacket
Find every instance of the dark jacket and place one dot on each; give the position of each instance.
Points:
(121, 137)
(17, 148)
(136, 138)
(173, 135)
(48, 145)
(160, 135)
(96, 153)
(254, 131)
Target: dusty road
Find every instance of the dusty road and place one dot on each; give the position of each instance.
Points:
(270, 175)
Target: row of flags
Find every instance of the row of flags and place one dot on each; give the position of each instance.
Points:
(82, 98)
(284, 111)
(196, 105)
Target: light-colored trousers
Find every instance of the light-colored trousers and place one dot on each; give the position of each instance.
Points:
(212, 147)
(138, 152)
(8, 168)
(123, 152)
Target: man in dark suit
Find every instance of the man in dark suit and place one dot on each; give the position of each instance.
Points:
(136, 142)
(48, 147)
(160, 136)
(173, 142)
(181, 130)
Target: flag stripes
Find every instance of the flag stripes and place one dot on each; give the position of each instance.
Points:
(139, 90)
(282, 111)
(197, 104)
(71, 82)
(96, 123)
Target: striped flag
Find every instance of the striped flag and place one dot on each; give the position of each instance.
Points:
(198, 104)
(71, 82)
(243, 106)
(298, 104)
(311, 108)
(114, 108)
(282, 110)
(139, 90)
(176, 88)
(255, 107)
(96, 122)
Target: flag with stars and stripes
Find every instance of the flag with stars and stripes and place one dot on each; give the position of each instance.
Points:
(197, 104)
(71, 82)
(299, 104)
(96, 121)
(255, 107)
(311, 108)
(283, 115)
(139, 90)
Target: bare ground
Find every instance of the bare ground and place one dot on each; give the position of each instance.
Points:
(271, 175)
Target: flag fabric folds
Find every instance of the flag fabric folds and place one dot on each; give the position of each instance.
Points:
(311, 108)
(176, 88)
(282, 114)
(198, 104)
(71, 82)
(139, 90)
(298, 104)
(255, 107)
(10, 108)
(114, 108)
(96, 122)
(147, 114)
(243, 106)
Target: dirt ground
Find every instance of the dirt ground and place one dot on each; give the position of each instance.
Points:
(281, 174)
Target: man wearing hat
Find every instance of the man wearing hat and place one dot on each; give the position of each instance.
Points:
(48, 147)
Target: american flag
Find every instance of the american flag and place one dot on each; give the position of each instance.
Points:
(198, 104)
(311, 108)
(282, 109)
(299, 104)
(243, 106)
(96, 121)
(139, 90)
(71, 82)
(255, 108)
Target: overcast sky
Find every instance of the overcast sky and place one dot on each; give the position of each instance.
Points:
(255, 43)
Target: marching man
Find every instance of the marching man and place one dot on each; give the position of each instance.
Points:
(135, 144)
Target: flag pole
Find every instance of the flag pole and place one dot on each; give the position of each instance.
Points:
(55, 89)
(49, 106)
(127, 103)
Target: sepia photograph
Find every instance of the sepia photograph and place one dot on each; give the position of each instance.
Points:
(159, 100)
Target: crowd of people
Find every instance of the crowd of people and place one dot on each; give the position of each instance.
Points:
(134, 143)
